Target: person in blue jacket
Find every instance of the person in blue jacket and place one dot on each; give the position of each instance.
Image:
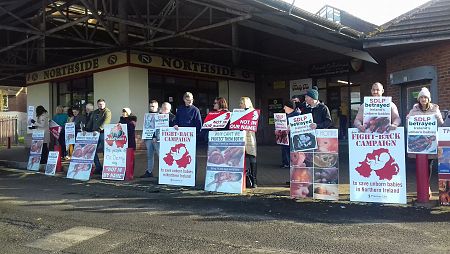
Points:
(188, 115)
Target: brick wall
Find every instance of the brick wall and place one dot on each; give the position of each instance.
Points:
(18, 103)
(436, 55)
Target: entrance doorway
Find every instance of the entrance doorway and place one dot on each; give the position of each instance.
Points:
(167, 88)
(411, 91)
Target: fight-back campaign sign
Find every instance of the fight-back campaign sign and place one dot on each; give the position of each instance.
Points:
(177, 156)
(37, 141)
(216, 120)
(225, 163)
(315, 173)
(245, 119)
(302, 136)
(377, 166)
(281, 129)
(422, 131)
(444, 165)
(70, 133)
(377, 114)
(116, 144)
(52, 160)
(149, 125)
(83, 156)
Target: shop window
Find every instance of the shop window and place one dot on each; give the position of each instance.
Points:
(77, 92)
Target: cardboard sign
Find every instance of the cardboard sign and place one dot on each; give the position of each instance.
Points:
(377, 166)
(37, 141)
(225, 162)
(422, 131)
(70, 133)
(52, 160)
(148, 130)
(245, 120)
(83, 156)
(315, 173)
(444, 165)
(216, 120)
(302, 136)
(177, 156)
(116, 144)
(377, 114)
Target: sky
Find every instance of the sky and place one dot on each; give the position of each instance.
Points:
(376, 12)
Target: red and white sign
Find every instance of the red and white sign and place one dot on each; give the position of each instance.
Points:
(116, 144)
(246, 120)
(216, 120)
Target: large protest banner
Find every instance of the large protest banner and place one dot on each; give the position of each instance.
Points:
(377, 166)
(83, 156)
(422, 131)
(377, 114)
(225, 162)
(444, 165)
(50, 168)
(281, 129)
(315, 173)
(216, 120)
(302, 136)
(245, 119)
(37, 141)
(177, 156)
(116, 144)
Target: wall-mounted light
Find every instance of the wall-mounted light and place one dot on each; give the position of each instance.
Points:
(18, 92)
(344, 82)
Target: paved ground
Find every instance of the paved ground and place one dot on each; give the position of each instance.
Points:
(40, 214)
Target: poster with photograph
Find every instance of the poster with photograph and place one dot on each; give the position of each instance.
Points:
(37, 141)
(377, 166)
(377, 114)
(177, 156)
(444, 165)
(70, 133)
(422, 131)
(30, 115)
(50, 168)
(216, 120)
(225, 162)
(245, 119)
(115, 159)
(149, 125)
(281, 129)
(83, 156)
(315, 173)
(302, 136)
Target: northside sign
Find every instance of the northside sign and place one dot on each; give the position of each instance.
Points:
(245, 120)
(172, 63)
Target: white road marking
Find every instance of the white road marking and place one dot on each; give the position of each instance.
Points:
(65, 239)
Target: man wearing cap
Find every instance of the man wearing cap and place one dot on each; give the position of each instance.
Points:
(289, 109)
(320, 112)
(377, 91)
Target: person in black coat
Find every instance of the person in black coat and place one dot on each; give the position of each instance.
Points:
(130, 120)
(320, 112)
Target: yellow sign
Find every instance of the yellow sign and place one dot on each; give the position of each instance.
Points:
(79, 67)
(171, 63)
(279, 84)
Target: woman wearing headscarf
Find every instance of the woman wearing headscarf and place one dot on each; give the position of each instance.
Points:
(425, 107)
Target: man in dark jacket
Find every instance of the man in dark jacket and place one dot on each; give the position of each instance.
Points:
(100, 117)
(320, 112)
(188, 115)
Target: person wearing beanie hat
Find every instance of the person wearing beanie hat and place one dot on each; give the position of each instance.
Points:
(377, 91)
(289, 108)
(425, 107)
(320, 112)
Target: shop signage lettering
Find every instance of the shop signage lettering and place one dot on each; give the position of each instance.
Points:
(331, 68)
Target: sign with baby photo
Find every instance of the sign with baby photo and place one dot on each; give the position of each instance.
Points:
(281, 129)
(315, 173)
(225, 162)
(422, 130)
(377, 114)
(70, 133)
(83, 156)
(50, 168)
(444, 165)
(302, 136)
(149, 127)
(37, 141)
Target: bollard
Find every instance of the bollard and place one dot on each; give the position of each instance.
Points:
(9, 142)
(129, 170)
(422, 178)
(58, 164)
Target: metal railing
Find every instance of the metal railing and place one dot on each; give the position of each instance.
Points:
(8, 131)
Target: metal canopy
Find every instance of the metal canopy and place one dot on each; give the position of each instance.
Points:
(251, 34)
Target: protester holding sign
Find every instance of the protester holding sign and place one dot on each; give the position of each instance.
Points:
(188, 115)
(425, 107)
(41, 123)
(320, 112)
(289, 109)
(250, 147)
(61, 119)
(221, 105)
(377, 91)
(152, 147)
(130, 120)
(100, 117)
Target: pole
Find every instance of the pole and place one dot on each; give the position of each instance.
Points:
(422, 178)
